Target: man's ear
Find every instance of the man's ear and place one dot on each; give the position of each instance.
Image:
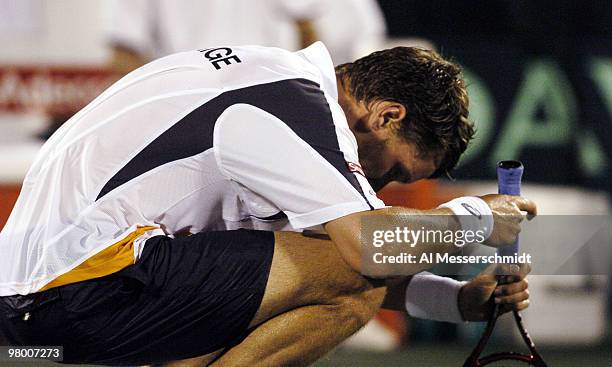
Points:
(388, 114)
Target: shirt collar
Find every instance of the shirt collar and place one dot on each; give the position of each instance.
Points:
(318, 55)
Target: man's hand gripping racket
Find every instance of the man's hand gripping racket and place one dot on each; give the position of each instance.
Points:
(509, 174)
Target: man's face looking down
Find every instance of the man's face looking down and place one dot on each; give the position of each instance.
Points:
(383, 155)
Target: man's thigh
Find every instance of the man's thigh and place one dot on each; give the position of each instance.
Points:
(306, 271)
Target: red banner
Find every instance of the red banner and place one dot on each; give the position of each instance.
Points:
(55, 90)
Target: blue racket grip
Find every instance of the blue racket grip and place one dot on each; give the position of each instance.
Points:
(509, 174)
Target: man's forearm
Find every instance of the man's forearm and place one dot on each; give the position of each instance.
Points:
(345, 233)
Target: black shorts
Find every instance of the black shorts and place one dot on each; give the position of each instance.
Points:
(185, 297)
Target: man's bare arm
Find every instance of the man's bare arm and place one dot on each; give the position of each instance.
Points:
(345, 232)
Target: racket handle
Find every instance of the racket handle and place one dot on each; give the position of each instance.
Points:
(509, 174)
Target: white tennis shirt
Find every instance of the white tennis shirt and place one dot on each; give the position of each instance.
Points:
(216, 139)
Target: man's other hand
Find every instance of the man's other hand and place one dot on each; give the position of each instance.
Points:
(477, 297)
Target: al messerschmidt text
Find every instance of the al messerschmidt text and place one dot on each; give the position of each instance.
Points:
(428, 258)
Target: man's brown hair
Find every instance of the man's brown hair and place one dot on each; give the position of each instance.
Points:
(431, 89)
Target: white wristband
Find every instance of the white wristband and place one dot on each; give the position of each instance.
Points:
(429, 296)
(473, 213)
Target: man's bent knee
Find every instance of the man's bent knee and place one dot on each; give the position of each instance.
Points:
(359, 308)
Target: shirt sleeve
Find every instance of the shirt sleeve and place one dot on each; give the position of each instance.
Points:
(304, 176)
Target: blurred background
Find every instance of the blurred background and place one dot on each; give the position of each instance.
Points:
(540, 84)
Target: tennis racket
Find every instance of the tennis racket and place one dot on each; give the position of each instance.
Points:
(509, 175)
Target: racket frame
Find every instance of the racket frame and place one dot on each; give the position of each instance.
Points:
(474, 360)
(509, 182)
